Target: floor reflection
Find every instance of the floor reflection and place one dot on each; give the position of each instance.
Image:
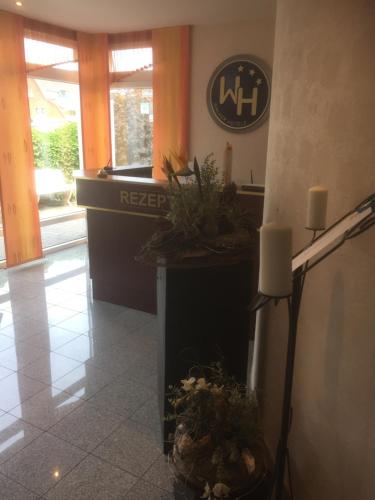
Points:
(72, 371)
(34, 300)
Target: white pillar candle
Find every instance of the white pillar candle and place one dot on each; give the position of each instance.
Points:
(317, 208)
(275, 277)
(227, 164)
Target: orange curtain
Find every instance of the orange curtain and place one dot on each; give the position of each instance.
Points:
(171, 82)
(18, 196)
(130, 40)
(39, 30)
(94, 90)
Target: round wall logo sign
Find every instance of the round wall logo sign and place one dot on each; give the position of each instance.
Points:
(238, 94)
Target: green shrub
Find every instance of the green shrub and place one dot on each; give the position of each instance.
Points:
(57, 149)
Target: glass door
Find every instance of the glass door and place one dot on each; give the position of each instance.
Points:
(55, 125)
(54, 102)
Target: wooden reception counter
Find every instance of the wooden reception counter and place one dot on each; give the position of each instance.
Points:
(121, 214)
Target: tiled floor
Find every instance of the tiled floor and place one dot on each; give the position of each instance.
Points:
(78, 401)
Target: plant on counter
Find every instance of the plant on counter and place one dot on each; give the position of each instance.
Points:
(203, 217)
(218, 442)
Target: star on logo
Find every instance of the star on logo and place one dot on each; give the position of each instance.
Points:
(240, 68)
(259, 81)
(251, 72)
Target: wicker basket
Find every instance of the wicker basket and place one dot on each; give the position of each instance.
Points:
(194, 468)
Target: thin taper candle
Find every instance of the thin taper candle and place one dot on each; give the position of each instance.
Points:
(227, 164)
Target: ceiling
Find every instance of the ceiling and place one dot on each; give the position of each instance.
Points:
(131, 15)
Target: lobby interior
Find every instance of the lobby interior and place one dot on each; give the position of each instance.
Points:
(79, 394)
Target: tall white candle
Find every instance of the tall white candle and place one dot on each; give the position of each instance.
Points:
(317, 208)
(275, 276)
(227, 164)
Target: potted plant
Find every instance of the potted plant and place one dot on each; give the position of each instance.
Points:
(205, 249)
(204, 220)
(218, 447)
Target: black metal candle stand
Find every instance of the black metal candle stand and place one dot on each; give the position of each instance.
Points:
(354, 223)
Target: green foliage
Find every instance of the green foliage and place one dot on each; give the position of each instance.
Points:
(209, 402)
(203, 217)
(57, 149)
(203, 207)
(40, 150)
(218, 440)
(194, 206)
(68, 150)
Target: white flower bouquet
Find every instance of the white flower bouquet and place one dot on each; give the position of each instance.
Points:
(218, 446)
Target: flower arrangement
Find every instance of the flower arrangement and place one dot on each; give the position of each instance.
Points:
(218, 442)
(203, 217)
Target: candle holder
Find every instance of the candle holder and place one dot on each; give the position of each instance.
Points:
(351, 225)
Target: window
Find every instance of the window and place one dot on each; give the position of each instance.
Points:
(131, 106)
(54, 113)
(45, 54)
(132, 116)
(54, 103)
(123, 60)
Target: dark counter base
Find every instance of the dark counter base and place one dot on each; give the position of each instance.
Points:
(119, 293)
(114, 240)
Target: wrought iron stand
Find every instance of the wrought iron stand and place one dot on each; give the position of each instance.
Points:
(349, 226)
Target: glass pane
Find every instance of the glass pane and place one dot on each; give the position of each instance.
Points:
(70, 66)
(132, 117)
(55, 125)
(37, 52)
(131, 59)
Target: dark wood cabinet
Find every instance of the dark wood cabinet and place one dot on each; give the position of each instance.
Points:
(203, 317)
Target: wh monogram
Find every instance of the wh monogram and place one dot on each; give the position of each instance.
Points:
(237, 96)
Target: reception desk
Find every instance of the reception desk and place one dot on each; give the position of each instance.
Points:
(121, 212)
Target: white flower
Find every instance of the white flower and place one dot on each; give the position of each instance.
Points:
(207, 492)
(187, 384)
(216, 389)
(221, 490)
(249, 460)
(202, 384)
(184, 443)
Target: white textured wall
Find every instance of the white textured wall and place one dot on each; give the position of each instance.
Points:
(322, 131)
(211, 45)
